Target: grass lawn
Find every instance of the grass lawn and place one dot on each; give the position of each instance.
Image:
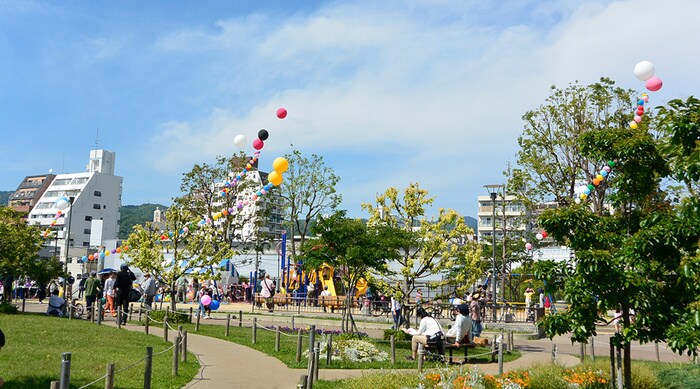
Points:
(34, 345)
(288, 345)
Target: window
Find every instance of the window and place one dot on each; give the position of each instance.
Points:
(88, 218)
(63, 181)
(80, 180)
(86, 231)
(97, 193)
(96, 206)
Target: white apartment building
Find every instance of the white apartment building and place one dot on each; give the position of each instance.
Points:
(93, 217)
(508, 209)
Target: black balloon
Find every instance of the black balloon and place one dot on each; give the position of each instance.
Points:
(263, 134)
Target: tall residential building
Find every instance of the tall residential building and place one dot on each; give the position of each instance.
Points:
(29, 192)
(508, 208)
(93, 217)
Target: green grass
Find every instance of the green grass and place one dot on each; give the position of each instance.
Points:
(34, 345)
(288, 345)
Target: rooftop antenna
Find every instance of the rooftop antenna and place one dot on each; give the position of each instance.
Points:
(97, 139)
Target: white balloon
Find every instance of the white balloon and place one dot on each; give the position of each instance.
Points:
(539, 236)
(240, 141)
(644, 70)
(62, 203)
(577, 200)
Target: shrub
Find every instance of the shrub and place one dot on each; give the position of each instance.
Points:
(398, 335)
(547, 377)
(351, 335)
(642, 376)
(677, 377)
(354, 350)
(8, 308)
(179, 317)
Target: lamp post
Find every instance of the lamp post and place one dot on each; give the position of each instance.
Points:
(493, 192)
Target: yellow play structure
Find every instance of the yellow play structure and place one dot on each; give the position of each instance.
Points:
(294, 280)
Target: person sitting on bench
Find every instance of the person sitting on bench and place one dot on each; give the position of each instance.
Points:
(461, 331)
(57, 305)
(429, 330)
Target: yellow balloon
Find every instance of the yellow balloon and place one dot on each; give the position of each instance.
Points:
(633, 125)
(599, 177)
(280, 165)
(274, 178)
(107, 253)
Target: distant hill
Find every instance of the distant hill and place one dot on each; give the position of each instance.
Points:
(5, 196)
(471, 222)
(132, 215)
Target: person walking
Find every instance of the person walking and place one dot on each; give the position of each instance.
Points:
(475, 313)
(123, 284)
(109, 293)
(148, 288)
(268, 292)
(181, 285)
(396, 312)
(92, 288)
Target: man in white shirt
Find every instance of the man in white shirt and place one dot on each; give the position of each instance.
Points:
(461, 332)
(148, 288)
(324, 293)
(429, 328)
(57, 305)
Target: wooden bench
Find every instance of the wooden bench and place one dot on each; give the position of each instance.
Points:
(450, 347)
(332, 302)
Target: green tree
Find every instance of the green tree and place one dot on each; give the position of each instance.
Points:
(193, 247)
(309, 189)
(430, 246)
(550, 153)
(353, 248)
(19, 246)
(631, 253)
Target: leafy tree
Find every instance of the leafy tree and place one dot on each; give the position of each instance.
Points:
(429, 245)
(550, 152)
(308, 190)
(192, 245)
(19, 246)
(203, 187)
(632, 253)
(351, 247)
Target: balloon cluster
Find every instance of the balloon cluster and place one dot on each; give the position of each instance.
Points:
(62, 203)
(275, 178)
(103, 253)
(645, 71)
(59, 213)
(582, 192)
(539, 236)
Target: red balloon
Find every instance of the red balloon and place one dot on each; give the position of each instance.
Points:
(258, 144)
(654, 84)
(281, 113)
(545, 234)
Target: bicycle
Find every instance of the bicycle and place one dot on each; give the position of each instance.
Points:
(78, 309)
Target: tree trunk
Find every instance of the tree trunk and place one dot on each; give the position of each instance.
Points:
(173, 294)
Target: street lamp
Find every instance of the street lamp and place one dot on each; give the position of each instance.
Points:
(493, 192)
(63, 203)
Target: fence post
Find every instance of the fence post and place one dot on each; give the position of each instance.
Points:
(119, 316)
(131, 311)
(92, 312)
(317, 355)
(190, 315)
(619, 368)
(293, 327)
(582, 353)
(298, 359)
(55, 385)
(196, 324)
(176, 354)
(392, 340)
(500, 357)
(148, 322)
(656, 346)
(612, 364)
(228, 324)
(277, 338)
(312, 336)
(109, 380)
(310, 369)
(99, 313)
(149, 368)
(554, 353)
(65, 371)
(329, 350)
(593, 348)
(421, 355)
(165, 328)
(255, 329)
(184, 345)
(240, 319)
(24, 301)
(303, 382)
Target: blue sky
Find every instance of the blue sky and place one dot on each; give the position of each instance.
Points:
(389, 92)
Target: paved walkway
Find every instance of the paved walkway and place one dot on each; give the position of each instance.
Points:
(227, 364)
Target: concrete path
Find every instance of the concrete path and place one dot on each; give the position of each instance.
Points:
(229, 365)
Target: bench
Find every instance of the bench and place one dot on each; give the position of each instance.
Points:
(450, 347)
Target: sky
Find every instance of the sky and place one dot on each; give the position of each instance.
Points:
(388, 92)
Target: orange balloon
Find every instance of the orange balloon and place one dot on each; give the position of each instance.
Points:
(119, 249)
(275, 178)
(596, 182)
(90, 257)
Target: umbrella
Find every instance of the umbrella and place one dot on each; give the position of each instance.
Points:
(106, 270)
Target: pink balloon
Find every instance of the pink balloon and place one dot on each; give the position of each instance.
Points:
(645, 98)
(258, 144)
(528, 246)
(607, 168)
(637, 119)
(205, 300)
(281, 113)
(654, 84)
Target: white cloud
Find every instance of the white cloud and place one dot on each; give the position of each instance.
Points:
(443, 95)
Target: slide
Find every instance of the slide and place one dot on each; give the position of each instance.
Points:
(327, 279)
(360, 287)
